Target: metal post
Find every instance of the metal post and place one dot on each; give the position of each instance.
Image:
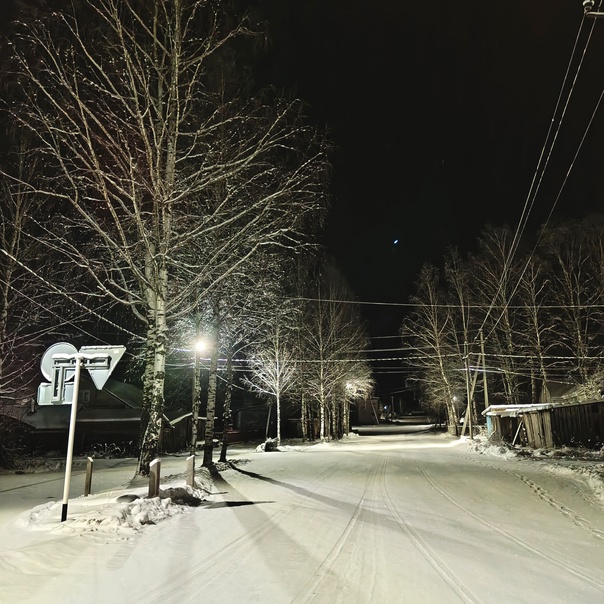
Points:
(72, 424)
(484, 372)
(468, 419)
(88, 483)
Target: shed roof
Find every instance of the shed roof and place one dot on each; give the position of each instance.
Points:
(515, 410)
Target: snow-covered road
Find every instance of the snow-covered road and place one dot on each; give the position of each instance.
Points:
(382, 518)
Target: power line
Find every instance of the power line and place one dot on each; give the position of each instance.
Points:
(540, 171)
(66, 295)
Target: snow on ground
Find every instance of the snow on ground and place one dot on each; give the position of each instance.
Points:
(380, 516)
(126, 512)
(114, 514)
(580, 464)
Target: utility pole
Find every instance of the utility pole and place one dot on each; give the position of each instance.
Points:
(468, 420)
(484, 372)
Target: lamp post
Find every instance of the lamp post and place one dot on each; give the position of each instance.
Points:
(200, 346)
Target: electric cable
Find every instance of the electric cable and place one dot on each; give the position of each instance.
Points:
(541, 169)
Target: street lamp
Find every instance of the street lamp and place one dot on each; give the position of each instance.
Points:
(200, 346)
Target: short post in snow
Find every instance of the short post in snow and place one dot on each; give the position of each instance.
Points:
(191, 470)
(154, 471)
(88, 483)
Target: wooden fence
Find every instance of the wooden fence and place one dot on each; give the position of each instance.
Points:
(575, 425)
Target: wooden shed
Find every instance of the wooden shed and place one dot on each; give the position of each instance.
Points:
(549, 425)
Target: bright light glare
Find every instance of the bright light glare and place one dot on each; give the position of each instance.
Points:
(200, 345)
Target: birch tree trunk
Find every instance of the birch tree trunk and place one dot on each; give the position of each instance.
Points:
(153, 390)
(208, 445)
(304, 418)
(227, 414)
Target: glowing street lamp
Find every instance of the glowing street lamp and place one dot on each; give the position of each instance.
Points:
(200, 346)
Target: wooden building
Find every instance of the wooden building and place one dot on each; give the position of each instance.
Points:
(549, 425)
(108, 416)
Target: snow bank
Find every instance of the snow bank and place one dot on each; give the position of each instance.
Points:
(480, 444)
(580, 464)
(588, 472)
(118, 514)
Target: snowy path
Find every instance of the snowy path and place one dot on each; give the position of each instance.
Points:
(388, 519)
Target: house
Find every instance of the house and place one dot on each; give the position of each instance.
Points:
(111, 415)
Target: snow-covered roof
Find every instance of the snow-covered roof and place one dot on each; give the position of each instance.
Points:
(515, 410)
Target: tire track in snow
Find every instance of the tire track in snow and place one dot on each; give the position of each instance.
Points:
(495, 528)
(311, 589)
(447, 575)
(227, 558)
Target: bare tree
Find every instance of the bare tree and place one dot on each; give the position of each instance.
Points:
(272, 366)
(575, 291)
(541, 313)
(334, 337)
(536, 324)
(458, 280)
(357, 384)
(30, 313)
(496, 274)
(434, 356)
(167, 187)
(15, 308)
(238, 316)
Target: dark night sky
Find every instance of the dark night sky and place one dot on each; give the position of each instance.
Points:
(439, 111)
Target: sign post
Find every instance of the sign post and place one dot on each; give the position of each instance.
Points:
(60, 363)
(70, 439)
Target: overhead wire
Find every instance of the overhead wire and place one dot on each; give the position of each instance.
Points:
(541, 167)
(443, 305)
(66, 295)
